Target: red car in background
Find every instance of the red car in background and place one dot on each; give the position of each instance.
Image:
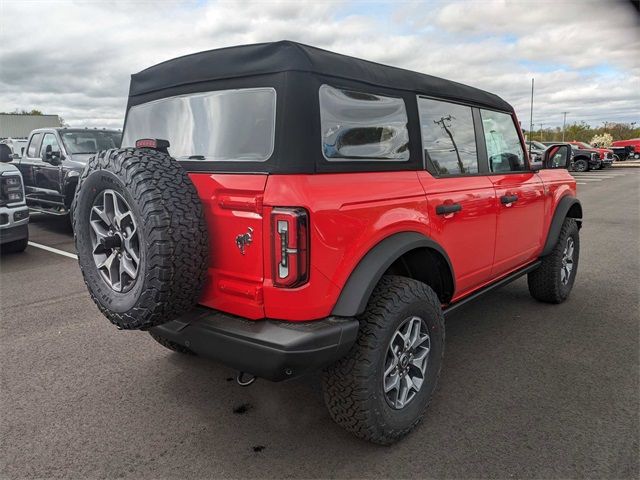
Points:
(628, 148)
(606, 155)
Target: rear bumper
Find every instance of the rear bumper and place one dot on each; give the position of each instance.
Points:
(270, 349)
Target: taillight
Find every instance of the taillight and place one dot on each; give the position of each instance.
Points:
(154, 143)
(290, 246)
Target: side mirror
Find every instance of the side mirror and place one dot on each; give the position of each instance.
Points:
(5, 153)
(557, 156)
(51, 157)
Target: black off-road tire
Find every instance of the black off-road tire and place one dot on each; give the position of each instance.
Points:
(171, 230)
(545, 282)
(353, 386)
(176, 347)
(16, 246)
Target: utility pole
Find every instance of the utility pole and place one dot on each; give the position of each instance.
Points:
(564, 122)
(443, 124)
(531, 119)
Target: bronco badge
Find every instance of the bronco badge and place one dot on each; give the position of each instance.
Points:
(244, 240)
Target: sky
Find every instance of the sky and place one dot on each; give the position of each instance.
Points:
(75, 58)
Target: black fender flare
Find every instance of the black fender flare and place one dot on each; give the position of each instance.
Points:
(560, 214)
(363, 279)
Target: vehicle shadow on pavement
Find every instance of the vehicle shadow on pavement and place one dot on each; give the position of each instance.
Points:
(53, 223)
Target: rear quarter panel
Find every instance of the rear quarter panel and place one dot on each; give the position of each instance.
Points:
(349, 214)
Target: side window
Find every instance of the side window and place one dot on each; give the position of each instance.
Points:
(362, 126)
(32, 150)
(504, 149)
(448, 137)
(50, 139)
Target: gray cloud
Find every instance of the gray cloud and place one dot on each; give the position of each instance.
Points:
(76, 59)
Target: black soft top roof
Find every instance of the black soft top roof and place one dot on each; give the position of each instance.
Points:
(287, 56)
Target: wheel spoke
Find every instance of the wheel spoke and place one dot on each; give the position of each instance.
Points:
(127, 268)
(393, 381)
(419, 360)
(102, 215)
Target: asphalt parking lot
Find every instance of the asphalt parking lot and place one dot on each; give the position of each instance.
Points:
(527, 390)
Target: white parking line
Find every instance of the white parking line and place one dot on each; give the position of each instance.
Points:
(590, 179)
(54, 250)
(581, 183)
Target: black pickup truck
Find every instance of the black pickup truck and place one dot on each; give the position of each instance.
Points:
(53, 161)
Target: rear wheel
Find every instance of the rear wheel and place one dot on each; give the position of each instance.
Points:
(580, 165)
(140, 236)
(553, 280)
(381, 389)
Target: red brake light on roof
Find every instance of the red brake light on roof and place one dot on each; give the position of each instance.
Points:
(290, 246)
(155, 143)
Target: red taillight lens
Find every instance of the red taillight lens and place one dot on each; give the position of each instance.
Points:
(290, 246)
(155, 143)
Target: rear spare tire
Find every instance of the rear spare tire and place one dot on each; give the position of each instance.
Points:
(141, 237)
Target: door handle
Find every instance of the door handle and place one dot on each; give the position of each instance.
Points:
(507, 199)
(448, 208)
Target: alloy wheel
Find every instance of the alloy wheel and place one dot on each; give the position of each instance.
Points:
(114, 240)
(567, 261)
(406, 362)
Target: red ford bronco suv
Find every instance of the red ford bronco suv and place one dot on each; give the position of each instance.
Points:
(284, 209)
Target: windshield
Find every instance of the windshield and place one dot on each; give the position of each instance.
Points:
(89, 141)
(583, 145)
(226, 125)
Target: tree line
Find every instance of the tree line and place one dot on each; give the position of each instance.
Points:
(583, 132)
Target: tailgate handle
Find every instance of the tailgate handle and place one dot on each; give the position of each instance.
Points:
(507, 199)
(448, 208)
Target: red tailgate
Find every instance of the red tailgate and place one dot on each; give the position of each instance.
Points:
(233, 212)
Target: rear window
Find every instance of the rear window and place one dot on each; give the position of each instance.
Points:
(362, 126)
(226, 125)
(33, 145)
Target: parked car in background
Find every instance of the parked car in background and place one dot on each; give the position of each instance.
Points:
(14, 214)
(536, 151)
(605, 154)
(17, 146)
(582, 160)
(627, 149)
(53, 161)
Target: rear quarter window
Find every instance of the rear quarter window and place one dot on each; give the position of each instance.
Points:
(362, 126)
(34, 144)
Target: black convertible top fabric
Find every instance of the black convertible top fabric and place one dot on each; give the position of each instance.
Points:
(287, 56)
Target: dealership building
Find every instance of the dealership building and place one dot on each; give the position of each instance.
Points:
(14, 125)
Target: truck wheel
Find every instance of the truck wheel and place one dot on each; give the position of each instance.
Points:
(16, 246)
(176, 347)
(580, 165)
(380, 390)
(140, 236)
(553, 280)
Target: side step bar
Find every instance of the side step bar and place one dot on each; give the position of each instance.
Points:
(500, 283)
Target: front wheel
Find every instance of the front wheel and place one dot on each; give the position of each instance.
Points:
(553, 280)
(380, 390)
(16, 246)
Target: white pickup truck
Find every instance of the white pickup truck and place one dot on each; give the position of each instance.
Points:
(14, 213)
